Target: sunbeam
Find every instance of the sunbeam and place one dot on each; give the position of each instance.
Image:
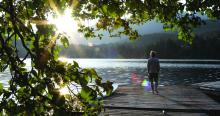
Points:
(65, 24)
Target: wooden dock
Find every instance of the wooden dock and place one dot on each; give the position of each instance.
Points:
(171, 100)
(211, 88)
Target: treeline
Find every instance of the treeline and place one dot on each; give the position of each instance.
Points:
(128, 49)
(204, 46)
(201, 48)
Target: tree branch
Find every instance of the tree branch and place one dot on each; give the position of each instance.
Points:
(12, 16)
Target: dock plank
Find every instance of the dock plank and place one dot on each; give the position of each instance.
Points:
(184, 99)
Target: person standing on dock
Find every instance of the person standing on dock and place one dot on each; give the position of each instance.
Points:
(153, 68)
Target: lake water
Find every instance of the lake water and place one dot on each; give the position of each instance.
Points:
(133, 71)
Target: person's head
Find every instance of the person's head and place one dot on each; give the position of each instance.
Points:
(152, 53)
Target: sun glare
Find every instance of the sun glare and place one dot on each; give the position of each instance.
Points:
(65, 24)
(63, 59)
(182, 1)
(64, 91)
(90, 44)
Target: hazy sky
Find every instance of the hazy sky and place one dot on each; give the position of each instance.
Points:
(147, 28)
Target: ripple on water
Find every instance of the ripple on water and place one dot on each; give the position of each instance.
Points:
(170, 73)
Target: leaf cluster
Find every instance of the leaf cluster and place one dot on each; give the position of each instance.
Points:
(36, 90)
(118, 16)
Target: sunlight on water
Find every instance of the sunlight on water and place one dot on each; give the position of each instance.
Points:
(142, 63)
(134, 71)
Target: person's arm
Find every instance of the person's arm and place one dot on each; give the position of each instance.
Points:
(158, 66)
(148, 66)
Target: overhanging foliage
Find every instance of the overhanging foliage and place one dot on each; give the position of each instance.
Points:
(36, 91)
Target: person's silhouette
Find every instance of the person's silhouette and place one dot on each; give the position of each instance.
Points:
(153, 68)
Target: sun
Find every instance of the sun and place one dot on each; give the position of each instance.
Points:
(65, 23)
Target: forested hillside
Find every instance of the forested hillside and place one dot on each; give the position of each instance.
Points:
(205, 46)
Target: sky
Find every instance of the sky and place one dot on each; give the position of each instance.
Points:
(148, 28)
(65, 24)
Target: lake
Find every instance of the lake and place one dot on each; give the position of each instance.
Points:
(134, 71)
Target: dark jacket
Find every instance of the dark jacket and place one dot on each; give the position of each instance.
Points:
(153, 65)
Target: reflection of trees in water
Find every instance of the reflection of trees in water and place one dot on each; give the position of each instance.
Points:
(189, 75)
(168, 76)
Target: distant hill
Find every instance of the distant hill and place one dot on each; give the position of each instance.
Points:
(140, 47)
(150, 28)
(137, 48)
(146, 28)
(211, 27)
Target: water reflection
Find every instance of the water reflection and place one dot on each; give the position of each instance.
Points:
(122, 70)
(168, 76)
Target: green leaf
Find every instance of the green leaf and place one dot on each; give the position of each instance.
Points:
(108, 88)
(166, 28)
(94, 1)
(112, 10)
(65, 42)
(6, 94)
(88, 94)
(34, 73)
(1, 88)
(104, 9)
(93, 72)
(75, 64)
(4, 68)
